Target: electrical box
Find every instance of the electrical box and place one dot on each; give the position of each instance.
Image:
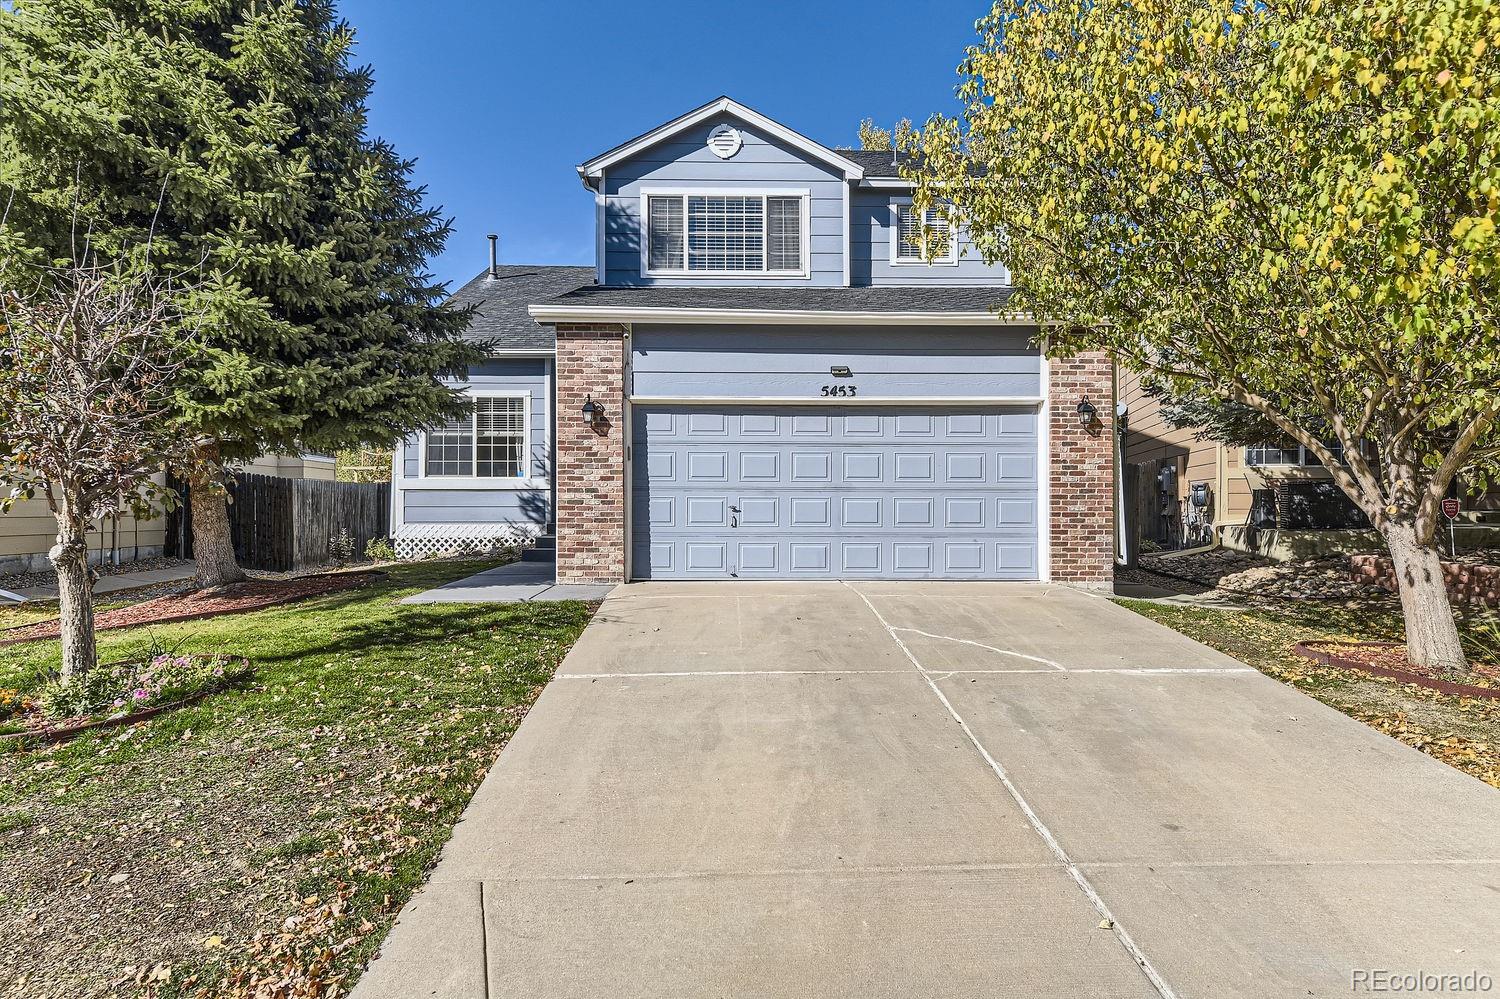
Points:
(1201, 494)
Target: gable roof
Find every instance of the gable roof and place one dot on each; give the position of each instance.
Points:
(500, 320)
(591, 170)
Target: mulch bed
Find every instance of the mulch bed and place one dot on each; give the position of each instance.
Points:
(1388, 659)
(256, 594)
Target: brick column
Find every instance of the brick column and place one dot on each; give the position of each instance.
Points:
(590, 463)
(1082, 471)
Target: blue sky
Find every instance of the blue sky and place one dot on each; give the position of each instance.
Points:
(499, 100)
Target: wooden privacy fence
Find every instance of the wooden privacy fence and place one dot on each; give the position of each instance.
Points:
(282, 524)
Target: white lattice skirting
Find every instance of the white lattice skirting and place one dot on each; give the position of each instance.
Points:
(413, 541)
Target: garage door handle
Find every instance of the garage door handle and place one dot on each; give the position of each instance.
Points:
(734, 516)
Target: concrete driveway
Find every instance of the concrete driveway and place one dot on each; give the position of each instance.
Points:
(941, 790)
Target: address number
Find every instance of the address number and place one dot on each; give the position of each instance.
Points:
(840, 390)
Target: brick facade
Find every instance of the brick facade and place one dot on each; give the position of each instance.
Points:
(591, 508)
(1082, 471)
(590, 463)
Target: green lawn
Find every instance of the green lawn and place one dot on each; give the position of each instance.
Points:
(1461, 731)
(271, 830)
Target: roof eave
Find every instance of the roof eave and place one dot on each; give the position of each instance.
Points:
(552, 314)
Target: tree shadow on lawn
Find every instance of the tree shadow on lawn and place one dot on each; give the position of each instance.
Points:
(419, 625)
(358, 621)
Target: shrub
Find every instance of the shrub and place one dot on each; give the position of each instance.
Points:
(341, 548)
(380, 550)
(124, 688)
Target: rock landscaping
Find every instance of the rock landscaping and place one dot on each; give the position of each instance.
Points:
(1469, 580)
(28, 580)
(1242, 575)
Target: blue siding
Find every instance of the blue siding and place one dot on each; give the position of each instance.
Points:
(487, 506)
(870, 256)
(793, 362)
(477, 506)
(686, 160)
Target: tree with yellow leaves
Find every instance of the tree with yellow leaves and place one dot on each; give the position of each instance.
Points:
(1286, 204)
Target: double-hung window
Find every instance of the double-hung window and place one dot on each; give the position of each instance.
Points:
(489, 443)
(725, 234)
(910, 231)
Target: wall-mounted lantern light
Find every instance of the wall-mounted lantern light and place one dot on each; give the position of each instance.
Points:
(1087, 414)
(593, 412)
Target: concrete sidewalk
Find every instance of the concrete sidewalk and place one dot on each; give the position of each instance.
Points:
(518, 582)
(117, 582)
(945, 789)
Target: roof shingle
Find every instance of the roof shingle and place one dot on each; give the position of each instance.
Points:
(500, 319)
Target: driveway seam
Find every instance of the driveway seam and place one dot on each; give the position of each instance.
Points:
(484, 946)
(1158, 982)
(939, 673)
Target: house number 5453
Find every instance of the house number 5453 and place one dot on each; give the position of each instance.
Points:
(840, 390)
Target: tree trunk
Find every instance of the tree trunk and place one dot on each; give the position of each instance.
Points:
(1431, 634)
(75, 590)
(213, 546)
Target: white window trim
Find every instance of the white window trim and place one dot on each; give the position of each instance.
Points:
(1302, 459)
(804, 193)
(950, 260)
(425, 481)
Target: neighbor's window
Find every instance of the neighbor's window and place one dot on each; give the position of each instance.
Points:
(908, 249)
(490, 443)
(1256, 456)
(724, 234)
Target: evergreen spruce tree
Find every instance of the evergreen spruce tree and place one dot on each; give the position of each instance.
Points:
(228, 138)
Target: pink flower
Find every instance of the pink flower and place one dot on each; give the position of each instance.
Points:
(141, 695)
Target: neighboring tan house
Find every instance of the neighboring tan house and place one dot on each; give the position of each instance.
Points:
(762, 378)
(1245, 496)
(28, 531)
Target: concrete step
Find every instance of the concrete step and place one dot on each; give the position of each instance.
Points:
(545, 550)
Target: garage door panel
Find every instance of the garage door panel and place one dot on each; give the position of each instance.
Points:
(769, 464)
(839, 492)
(848, 424)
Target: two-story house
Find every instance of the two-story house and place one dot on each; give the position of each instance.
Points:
(762, 377)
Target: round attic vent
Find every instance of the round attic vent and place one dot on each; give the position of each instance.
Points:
(724, 141)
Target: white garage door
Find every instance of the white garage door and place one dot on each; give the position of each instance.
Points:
(834, 492)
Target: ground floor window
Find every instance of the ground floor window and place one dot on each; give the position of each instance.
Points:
(488, 443)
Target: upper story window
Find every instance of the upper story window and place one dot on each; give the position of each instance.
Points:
(709, 234)
(907, 232)
(489, 443)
